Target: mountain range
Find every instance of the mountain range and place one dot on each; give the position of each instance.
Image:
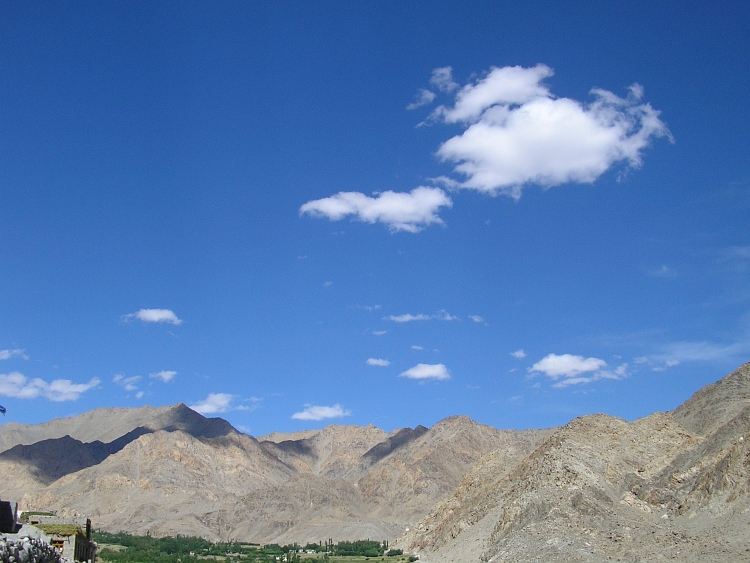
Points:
(672, 485)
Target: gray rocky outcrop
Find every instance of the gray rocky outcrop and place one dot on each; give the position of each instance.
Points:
(27, 550)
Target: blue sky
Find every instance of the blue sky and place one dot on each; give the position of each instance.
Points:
(295, 214)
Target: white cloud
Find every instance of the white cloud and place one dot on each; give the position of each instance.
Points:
(677, 352)
(379, 332)
(476, 318)
(401, 211)
(378, 362)
(127, 383)
(18, 386)
(214, 403)
(442, 79)
(139, 395)
(510, 85)
(8, 354)
(315, 412)
(65, 390)
(567, 369)
(444, 315)
(427, 371)
(517, 133)
(519, 354)
(154, 316)
(407, 318)
(567, 365)
(164, 375)
(416, 347)
(441, 315)
(423, 98)
(327, 284)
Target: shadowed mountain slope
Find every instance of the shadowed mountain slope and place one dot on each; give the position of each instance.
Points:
(182, 473)
(107, 425)
(51, 459)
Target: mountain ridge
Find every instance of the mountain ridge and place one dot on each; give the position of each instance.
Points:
(596, 489)
(601, 488)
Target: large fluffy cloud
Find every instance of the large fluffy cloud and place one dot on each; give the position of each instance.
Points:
(19, 386)
(427, 371)
(567, 369)
(517, 133)
(401, 211)
(315, 412)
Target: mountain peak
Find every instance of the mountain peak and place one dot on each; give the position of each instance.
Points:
(717, 403)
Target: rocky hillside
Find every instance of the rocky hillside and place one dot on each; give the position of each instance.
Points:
(669, 486)
(174, 471)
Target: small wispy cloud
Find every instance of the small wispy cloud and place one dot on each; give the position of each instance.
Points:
(441, 315)
(442, 79)
(476, 318)
(427, 371)
(14, 353)
(153, 316)
(400, 211)
(675, 353)
(18, 386)
(165, 375)
(518, 354)
(416, 347)
(127, 383)
(379, 332)
(216, 403)
(444, 315)
(407, 318)
(369, 307)
(423, 98)
(378, 362)
(327, 284)
(316, 412)
(568, 369)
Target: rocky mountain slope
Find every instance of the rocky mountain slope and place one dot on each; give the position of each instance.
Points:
(174, 471)
(669, 486)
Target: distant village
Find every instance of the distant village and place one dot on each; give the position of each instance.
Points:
(43, 537)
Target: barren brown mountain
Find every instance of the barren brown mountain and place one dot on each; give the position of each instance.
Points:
(670, 486)
(174, 471)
